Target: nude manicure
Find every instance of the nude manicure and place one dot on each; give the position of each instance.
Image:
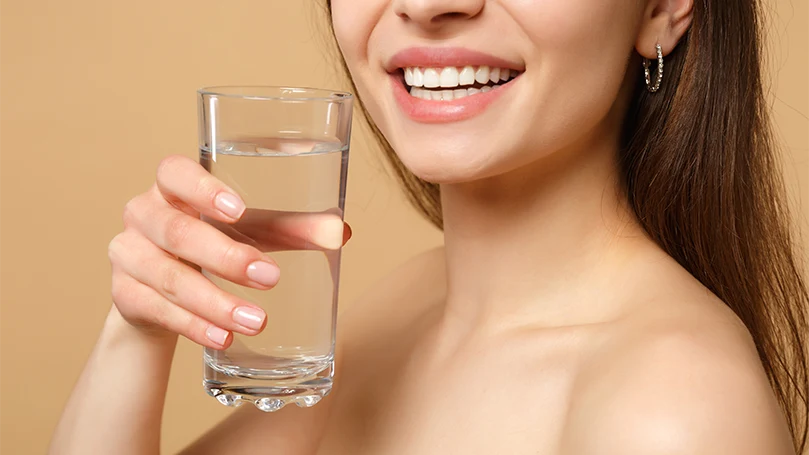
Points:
(263, 273)
(249, 317)
(229, 204)
(217, 335)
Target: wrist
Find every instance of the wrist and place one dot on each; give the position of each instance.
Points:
(119, 330)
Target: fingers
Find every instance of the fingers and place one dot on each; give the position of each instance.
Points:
(181, 285)
(155, 280)
(143, 306)
(183, 182)
(200, 243)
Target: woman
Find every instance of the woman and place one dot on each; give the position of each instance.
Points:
(617, 275)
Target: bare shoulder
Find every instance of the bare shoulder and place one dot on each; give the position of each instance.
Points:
(680, 376)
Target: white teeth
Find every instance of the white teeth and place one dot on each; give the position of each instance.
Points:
(449, 81)
(482, 74)
(449, 77)
(418, 77)
(494, 75)
(431, 78)
(467, 76)
(449, 95)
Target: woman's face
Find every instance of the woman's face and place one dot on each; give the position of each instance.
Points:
(561, 65)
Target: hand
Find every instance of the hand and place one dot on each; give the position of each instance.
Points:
(156, 260)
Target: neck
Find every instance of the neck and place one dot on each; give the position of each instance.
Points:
(546, 244)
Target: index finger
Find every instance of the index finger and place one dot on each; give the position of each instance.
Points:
(186, 184)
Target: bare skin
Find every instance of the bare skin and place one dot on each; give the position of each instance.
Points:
(549, 323)
(671, 365)
(635, 357)
(413, 380)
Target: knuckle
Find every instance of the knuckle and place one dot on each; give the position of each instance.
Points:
(235, 257)
(196, 329)
(161, 315)
(221, 305)
(130, 211)
(122, 248)
(176, 230)
(137, 208)
(183, 322)
(207, 187)
(170, 281)
(114, 248)
(125, 298)
(169, 165)
(120, 290)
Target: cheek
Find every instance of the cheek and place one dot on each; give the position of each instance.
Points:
(580, 42)
(354, 22)
(560, 22)
(346, 28)
(580, 49)
(360, 27)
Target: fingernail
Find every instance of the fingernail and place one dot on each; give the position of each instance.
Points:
(249, 317)
(263, 273)
(229, 204)
(217, 335)
(328, 233)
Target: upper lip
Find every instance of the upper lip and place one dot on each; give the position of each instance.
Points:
(437, 57)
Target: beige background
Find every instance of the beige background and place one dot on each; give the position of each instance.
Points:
(93, 93)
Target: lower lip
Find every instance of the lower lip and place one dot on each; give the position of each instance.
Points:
(431, 111)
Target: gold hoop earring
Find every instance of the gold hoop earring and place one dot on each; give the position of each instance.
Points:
(656, 86)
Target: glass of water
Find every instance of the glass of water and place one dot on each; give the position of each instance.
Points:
(285, 151)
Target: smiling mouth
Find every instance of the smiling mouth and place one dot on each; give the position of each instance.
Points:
(452, 83)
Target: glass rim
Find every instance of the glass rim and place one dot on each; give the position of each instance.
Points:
(275, 93)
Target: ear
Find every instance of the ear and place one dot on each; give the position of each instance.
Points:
(664, 22)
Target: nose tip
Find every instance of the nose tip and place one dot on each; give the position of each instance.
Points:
(434, 13)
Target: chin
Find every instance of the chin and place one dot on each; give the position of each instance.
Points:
(453, 163)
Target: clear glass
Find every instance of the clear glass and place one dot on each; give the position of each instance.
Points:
(285, 151)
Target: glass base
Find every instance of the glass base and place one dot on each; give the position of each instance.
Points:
(304, 387)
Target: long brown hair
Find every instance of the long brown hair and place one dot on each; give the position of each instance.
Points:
(699, 167)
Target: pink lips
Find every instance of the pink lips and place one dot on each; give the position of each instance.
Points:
(430, 111)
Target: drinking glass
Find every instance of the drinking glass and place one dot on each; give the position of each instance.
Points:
(285, 151)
